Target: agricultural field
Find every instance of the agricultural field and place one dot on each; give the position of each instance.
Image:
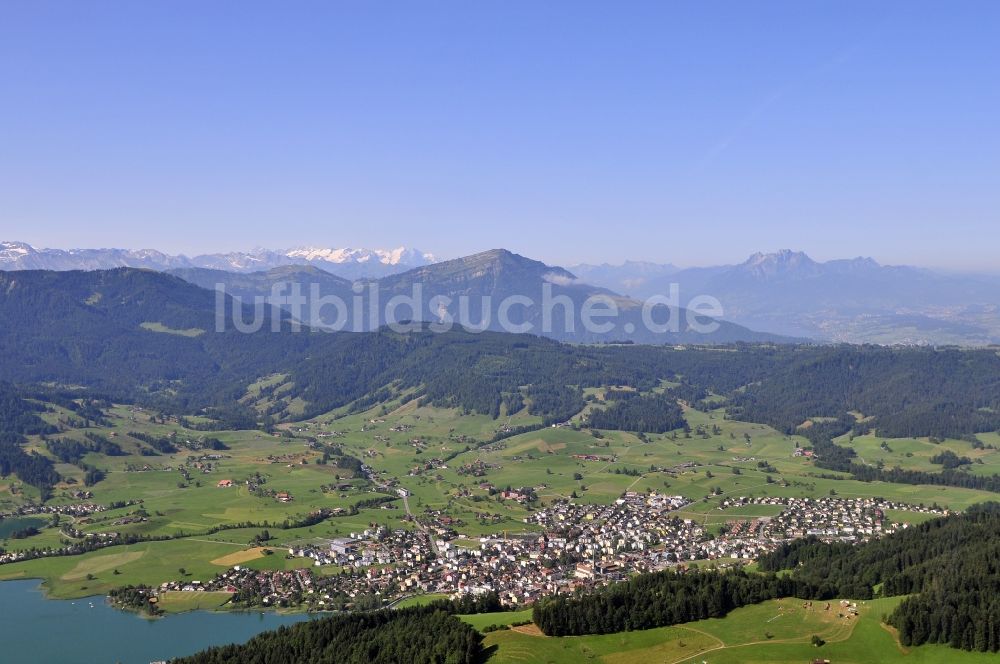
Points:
(506, 618)
(775, 632)
(916, 453)
(437, 455)
(178, 602)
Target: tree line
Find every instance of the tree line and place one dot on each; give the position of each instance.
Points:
(652, 413)
(949, 568)
(421, 635)
(904, 391)
(657, 600)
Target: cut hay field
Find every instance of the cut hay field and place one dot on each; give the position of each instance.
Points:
(240, 557)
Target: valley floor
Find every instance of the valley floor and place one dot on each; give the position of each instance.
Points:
(727, 476)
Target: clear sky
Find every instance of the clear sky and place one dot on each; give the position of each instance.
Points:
(692, 133)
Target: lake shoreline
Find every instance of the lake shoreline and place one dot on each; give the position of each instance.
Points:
(92, 630)
(44, 589)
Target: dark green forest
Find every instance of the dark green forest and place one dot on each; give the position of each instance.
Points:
(653, 413)
(949, 567)
(656, 600)
(84, 328)
(417, 635)
(19, 417)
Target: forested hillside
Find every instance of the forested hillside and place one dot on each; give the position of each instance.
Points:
(655, 413)
(147, 337)
(656, 600)
(908, 392)
(949, 566)
(87, 328)
(19, 417)
(421, 635)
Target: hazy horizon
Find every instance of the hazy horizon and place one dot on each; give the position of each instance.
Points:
(570, 263)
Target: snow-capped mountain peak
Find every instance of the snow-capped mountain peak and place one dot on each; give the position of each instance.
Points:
(12, 249)
(346, 262)
(397, 256)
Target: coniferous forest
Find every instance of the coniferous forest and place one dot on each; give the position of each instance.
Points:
(949, 567)
(655, 413)
(19, 416)
(656, 600)
(101, 346)
(421, 635)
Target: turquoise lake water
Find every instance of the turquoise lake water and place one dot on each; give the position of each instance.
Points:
(36, 630)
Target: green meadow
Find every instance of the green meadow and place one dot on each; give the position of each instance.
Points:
(775, 632)
(430, 451)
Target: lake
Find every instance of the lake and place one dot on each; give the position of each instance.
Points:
(36, 630)
(12, 525)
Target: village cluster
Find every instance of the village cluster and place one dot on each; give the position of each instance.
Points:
(571, 546)
(82, 513)
(73, 509)
(849, 519)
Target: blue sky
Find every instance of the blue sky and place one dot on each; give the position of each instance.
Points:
(692, 133)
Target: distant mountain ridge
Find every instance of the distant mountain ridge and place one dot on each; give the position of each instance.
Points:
(848, 300)
(345, 262)
(485, 280)
(784, 293)
(629, 277)
(140, 334)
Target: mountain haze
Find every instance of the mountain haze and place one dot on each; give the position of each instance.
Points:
(781, 294)
(853, 300)
(149, 337)
(489, 278)
(345, 262)
(631, 277)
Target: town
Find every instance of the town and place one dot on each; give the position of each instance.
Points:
(569, 547)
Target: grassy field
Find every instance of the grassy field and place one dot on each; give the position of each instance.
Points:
(776, 632)
(160, 327)
(431, 452)
(916, 453)
(483, 620)
(178, 602)
(419, 600)
(522, 645)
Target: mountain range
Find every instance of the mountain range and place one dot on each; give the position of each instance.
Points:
(346, 262)
(780, 294)
(154, 337)
(484, 280)
(853, 300)
(629, 277)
